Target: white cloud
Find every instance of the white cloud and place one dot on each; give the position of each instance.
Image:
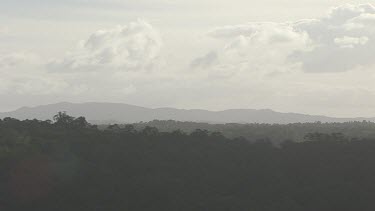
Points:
(267, 32)
(132, 47)
(254, 48)
(360, 22)
(340, 41)
(110, 64)
(350, 42)
(340, 15)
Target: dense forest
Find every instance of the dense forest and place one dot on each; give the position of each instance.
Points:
(276, 133)
(67, 164)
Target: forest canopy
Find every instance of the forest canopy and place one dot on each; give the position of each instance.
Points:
(69, 164)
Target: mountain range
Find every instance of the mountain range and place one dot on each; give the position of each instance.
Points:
(103, 113)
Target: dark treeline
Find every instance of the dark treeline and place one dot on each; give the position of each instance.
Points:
(68, 164)
(276, 133)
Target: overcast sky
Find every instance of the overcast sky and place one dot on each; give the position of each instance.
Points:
(305, 56)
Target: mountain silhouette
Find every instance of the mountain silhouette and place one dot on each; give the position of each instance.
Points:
(123, 113)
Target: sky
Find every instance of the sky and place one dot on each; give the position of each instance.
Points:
(302, 56)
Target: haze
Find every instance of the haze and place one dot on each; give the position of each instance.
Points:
(310, 56)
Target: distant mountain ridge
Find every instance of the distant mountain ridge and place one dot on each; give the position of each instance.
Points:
(124, 113)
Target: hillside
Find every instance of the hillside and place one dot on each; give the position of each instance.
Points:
(123, 113)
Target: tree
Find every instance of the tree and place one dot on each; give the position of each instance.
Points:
(130, 129)
(80, 122)
(62, 119)
(200, 133)
(150, 131)
(114, 127)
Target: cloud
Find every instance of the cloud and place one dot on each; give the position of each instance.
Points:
(205, 61)
(132, 47)
(342, 40)
(12, 60)
(23, 73)
(264, 31)
(253, 49)
(253, 65)
(108, 66)
(350, 42)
